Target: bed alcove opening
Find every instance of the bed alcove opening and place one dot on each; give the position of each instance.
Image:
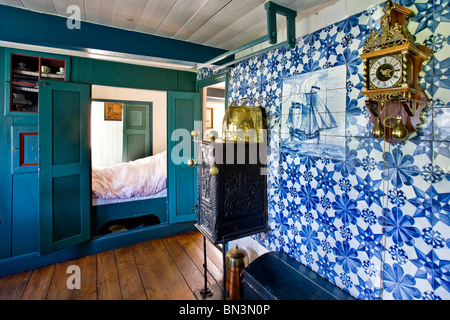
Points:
(140, 113)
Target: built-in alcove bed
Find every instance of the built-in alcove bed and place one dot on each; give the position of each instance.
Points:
(129, 160)
(130, 194)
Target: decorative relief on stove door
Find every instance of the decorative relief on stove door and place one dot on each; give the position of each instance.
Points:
(242, 191)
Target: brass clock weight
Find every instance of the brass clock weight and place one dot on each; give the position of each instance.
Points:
(392, 62)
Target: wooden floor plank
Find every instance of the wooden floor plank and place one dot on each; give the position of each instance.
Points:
(108, 287)
(196, 254)
(154, 286)
(168, 268)
(214, 254)
(88, 286)
(174, 280)
(191, 274)
(2, 283)
(58, 289)
(131, 285)
(38, 284)
(15, 285)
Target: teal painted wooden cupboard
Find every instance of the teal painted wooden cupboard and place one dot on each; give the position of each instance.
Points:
(45, 205)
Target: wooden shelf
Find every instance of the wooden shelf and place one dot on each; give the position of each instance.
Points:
(25, 72)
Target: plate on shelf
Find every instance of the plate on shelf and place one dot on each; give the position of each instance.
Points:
(26, 72)
(53, 75)
(29, 89)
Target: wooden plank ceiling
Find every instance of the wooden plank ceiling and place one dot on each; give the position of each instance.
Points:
(224, 24)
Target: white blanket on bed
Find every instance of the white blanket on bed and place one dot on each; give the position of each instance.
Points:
(141, 177)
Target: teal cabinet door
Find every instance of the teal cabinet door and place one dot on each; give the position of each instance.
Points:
(64, 164)
(137, 128)
(183, 109)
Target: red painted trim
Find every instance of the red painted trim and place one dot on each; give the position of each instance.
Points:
(21, 149)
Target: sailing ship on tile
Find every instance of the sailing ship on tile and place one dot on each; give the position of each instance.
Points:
(308, 118)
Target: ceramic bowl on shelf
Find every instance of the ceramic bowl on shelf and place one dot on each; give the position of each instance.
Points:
(22, 66)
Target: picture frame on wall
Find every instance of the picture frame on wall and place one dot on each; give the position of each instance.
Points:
(113, 111)
(209, 118)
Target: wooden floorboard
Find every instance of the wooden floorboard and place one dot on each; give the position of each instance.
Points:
(108, 286)
(130, 281)
(88, 286)
(58, 289)
(155, 288)
(14, 286)
(171, 275)
(38, 284)
(163, 269)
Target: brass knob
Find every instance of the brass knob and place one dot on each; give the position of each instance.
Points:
(191, 163)
(194, 134)
(214, 171)
(213, 135)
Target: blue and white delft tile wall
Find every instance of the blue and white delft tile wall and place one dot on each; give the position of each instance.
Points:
(371, 217)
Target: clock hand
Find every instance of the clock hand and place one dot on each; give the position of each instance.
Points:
(387, 72)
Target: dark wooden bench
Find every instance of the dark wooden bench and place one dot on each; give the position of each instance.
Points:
(277, 276)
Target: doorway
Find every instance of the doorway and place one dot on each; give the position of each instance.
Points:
(158, 101)
(213, 108)
(120, 131)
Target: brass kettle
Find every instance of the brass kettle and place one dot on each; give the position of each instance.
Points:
(236, 262)
(243, 123)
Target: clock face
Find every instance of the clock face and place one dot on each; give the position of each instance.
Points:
(385, 72)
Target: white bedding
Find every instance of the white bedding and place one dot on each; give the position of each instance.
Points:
(101, 201)
(137, 178)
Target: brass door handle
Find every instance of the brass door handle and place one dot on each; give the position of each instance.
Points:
(191, 163)
(195, 134)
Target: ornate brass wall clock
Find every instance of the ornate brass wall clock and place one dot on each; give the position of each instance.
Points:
(392, 62)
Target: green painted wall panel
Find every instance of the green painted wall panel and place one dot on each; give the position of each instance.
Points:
(25, 213)
(66, 207)
(135, 117)
(135, 146)
(125, 75)
(5, 171)
(185, 192)
(187, 81)
(66, 127)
